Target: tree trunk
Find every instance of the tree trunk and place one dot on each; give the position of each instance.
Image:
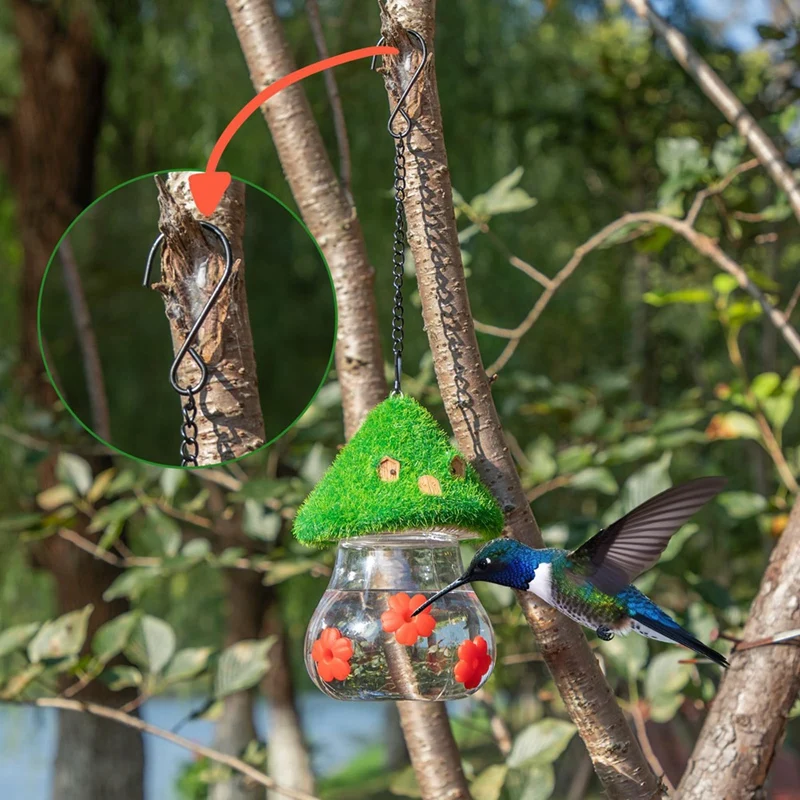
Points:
(747, 720)
(332, 220)
(235, 728)
(615, 752)
(288, 760)
(49, 155)
(229, 418)
(329, 215)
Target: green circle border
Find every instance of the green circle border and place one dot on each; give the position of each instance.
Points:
(115, 449)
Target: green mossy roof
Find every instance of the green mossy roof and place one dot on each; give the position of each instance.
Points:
(352, 499)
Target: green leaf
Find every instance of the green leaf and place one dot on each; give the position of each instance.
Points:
(575, 458)
(116, 512)
(676, 543)
(171, 480)
(101, 485)
(112, 637)
(132, 583)
(540, 743)
(538, 783)
(489, 784)
(685, 296)
(55, 497)
(724, 284)
(151, 645)
(628, 654)
(665, 675)
(60, 637)
(505, 197)
(778, 410)
(188, 663)
(122, 677)
(280, 571)
(165, 530)
(241, 666)
(742, 505)
(727, 153)
(75, 472)
(598, 478)
(18, 523)
(17, 683)
(680, 157)
(664, 707)
(645, 483)
(17, 637)
(734, 425)
(260, 522)
(678, 418)
(632, 449)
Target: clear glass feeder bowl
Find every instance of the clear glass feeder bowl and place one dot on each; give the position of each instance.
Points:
(362, 644)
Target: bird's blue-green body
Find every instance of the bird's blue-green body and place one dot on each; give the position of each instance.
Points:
(593, 584)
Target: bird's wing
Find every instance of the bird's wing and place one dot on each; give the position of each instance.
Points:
(617, 555)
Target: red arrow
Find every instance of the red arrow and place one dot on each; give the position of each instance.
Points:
(208, 187)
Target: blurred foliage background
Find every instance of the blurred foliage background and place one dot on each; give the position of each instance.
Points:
(647, 368)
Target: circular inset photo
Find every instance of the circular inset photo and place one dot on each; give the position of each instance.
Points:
(181, 339)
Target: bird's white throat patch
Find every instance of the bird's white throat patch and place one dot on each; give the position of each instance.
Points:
(542, 583)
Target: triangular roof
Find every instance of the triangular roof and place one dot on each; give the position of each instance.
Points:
(399, 472)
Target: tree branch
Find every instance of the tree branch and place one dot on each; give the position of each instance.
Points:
(130, 721)
(339, 124)
(748, 717)
(726, 101)
(330, 217)
(702, 243)
(433, 237)
(332, 220)
(229, 419)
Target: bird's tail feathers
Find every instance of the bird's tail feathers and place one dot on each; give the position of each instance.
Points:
(682, 637)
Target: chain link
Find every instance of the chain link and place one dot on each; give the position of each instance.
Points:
(190, 449)
(398, 260)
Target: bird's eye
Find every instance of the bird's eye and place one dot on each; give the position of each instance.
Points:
(484, 563)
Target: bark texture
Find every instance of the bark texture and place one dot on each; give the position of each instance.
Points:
(229, 418)
(323, 204)
(615, 752)
(332, 220)
(49, 155)
(747, 720)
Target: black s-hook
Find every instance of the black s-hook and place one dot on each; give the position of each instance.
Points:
(190, 448)
(398, 109)
(187, 347)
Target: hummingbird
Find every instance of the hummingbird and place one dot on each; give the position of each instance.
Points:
(593, 584)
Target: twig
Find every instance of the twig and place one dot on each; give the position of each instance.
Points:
(339, 123)
(792, 302)
(547, 486)
(92, 366)
(726, 101)
(717, 188)
(702, 243)
(122, 718)
(647, 747)
(104, 555)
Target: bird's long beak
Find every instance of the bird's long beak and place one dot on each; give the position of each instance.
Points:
(454, 585)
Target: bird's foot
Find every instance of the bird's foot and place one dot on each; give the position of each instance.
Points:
(605, 633)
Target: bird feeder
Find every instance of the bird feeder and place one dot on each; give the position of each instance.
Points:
(398, 499)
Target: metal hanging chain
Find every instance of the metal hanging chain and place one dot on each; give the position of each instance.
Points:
(190, 449)
(399, 240)
(398, 260)
(189, 446)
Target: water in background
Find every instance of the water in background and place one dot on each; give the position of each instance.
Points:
(28, 741)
